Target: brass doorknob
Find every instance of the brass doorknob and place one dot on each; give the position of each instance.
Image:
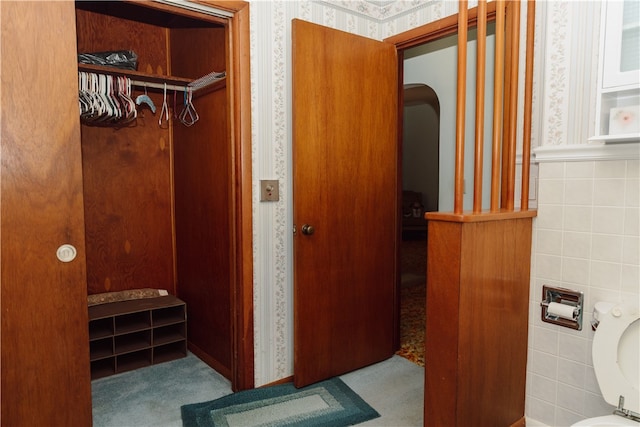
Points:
(308, 230)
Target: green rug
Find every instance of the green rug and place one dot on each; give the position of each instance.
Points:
(329, 403)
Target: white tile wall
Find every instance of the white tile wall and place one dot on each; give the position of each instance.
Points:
(586, 237)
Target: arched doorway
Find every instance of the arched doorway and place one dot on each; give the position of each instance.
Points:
(420, 184)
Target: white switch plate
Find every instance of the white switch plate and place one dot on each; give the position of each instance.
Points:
(269, 190)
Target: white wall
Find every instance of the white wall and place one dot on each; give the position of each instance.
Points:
(420, 159)
(585, 194)
(434, 64)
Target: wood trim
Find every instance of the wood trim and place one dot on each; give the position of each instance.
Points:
(284, 380)
(479, 217)
(244, 363)
(177, 9)
(397, 296)
(233, 6)
(438, 29)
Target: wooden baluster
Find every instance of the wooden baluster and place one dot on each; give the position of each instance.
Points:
(460, 106)
(480, 82)
(528, 96)
(498, 89)
(511, 101)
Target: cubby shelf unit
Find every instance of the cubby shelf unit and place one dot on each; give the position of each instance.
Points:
(127, 335)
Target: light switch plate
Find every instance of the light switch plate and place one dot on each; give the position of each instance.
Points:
(269, 190)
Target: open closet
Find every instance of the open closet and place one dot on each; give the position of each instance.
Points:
(123, 199)
(157, 188)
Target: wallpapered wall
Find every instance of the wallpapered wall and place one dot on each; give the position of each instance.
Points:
(560, 383)
(271, 121)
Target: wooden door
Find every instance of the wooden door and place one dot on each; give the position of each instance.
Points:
(45, 344)
(345, 187)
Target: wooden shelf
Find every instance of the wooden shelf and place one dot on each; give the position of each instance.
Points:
(151, 81)
(134, 75)
(127, 335)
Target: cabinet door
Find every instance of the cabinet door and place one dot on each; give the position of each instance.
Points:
(44, 335)
(621, 64)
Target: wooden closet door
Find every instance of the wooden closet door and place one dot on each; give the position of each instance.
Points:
(44, 339)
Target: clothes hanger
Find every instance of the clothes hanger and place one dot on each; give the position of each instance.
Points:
(165, 108)
(189, 115)
(124, 94)
(144, 99)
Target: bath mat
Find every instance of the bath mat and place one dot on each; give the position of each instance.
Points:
(329, 403)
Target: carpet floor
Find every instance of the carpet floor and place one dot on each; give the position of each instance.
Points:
(152, 396)
(412, 323)
(413, 300)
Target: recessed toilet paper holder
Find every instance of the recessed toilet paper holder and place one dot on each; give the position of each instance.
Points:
(562, 307)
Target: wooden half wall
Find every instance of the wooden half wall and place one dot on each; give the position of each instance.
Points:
(476, 332)
(478, 261)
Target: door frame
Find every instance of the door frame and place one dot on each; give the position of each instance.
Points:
(405, 40)
(234, 15)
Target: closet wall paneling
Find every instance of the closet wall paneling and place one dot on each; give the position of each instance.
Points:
(203, 208)
(127, 171)
(158, 202)
(44, 337)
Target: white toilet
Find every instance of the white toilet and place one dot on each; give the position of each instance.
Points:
(616, 361)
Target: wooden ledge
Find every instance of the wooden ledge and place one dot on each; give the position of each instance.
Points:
(479, 217)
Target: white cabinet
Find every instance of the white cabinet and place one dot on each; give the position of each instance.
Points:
(618, 102)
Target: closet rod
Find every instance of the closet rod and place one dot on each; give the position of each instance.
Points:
(201, 83)
(150, 85)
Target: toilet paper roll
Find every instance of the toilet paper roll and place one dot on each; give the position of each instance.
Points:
(561, 310)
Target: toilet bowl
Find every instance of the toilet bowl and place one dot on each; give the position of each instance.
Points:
(607, 420)
(616, 361)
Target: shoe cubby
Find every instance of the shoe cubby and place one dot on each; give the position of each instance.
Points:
(127, 335)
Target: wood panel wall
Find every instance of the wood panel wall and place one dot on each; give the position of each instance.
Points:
(127, 173)
(203, 205)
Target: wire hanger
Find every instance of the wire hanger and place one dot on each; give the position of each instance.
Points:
(165, 108)
(189, 115)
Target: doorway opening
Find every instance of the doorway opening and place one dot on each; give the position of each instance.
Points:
(420, 185)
